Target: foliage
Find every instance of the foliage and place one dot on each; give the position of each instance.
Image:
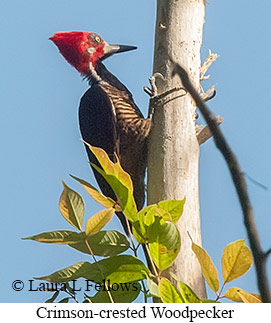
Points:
(122, 277)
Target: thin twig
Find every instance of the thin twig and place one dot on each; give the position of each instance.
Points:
(239, 182)
(72, 296)
(256, 182)
(268, 252)
(97, 263)
(154, 270)
(131, 236)
(144, 292)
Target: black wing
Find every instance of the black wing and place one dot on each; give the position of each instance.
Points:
(98, 128)
(97, 121)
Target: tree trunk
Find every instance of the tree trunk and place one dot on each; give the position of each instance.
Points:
(173, 147)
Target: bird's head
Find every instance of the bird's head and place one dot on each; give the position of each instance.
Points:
(82, 49)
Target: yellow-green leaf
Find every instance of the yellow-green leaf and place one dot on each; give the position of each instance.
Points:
(98, 221)
(208, 269)
(119, 181)
(103, 243)
(153, 288)
(59, 237)
(145, 219)
(238, 295)
(111, 168)
(168, 292)
(247, 297)
(124, 268)
(96, 195)
(125, 293)
(71, 206)
(187, 293)
(173, 209)
(236, 260)
(164, 243)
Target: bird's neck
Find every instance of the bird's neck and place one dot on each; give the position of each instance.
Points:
(100, 74)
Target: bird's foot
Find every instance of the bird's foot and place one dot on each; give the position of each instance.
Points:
(152, 92)
(155, 98)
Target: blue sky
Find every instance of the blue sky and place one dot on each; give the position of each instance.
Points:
(40, 139)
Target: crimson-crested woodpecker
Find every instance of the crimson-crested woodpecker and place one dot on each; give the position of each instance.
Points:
(108, 115)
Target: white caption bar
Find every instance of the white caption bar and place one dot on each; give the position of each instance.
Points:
(136, 312)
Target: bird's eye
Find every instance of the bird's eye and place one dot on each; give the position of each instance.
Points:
(97, 39)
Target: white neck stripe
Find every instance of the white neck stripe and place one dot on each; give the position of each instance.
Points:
(94, 73)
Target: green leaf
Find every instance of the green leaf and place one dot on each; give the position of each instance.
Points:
(236, 260)
(168, 292)
(170, 210)
(138, 233)
(71, 206)
(124, 269)
(153, 288)
(208, 269)
(173, 208)
(145, 219)
(103, 243)
(96, 195)
(58, 237)
(117, 269)
(164, 243)
(98, 221)
(119, 180)
(187, 293)
(238, 295)
(123, 293)
(69, 273)
(64, 300)
(53, 298)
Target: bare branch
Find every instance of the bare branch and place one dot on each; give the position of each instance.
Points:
(204, 134)
(206, 65)
(208, 95)
(239, 182)
(268, 252)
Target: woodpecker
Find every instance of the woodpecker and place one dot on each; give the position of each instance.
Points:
(108, 115)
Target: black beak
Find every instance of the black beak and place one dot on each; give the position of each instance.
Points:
(113, 49)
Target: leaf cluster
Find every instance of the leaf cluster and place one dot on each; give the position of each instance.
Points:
(154, 226)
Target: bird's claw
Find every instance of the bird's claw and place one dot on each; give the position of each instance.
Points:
(152, 92)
